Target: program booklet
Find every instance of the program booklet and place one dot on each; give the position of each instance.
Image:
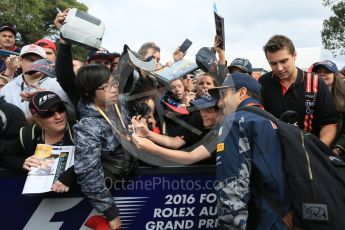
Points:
(177, 70)
(54, 161)
(7, 53)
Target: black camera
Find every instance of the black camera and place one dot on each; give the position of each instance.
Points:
(142, 109)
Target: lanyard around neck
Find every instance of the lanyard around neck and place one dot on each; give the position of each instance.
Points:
(107, 118)
(104, 115)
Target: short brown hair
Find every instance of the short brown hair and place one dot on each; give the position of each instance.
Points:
(146, 46)
(214, 80)
(278, 42)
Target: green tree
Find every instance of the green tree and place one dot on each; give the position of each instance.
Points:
(34, 19)
(333, 33)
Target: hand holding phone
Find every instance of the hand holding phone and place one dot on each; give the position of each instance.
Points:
(185, 45)
(17, 61)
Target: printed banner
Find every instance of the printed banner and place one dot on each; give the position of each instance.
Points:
(157, 198)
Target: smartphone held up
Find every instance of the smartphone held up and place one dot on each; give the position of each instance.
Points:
(185, 45)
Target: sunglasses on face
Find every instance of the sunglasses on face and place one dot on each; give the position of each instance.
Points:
(59, 109)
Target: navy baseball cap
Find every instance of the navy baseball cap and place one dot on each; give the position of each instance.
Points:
(241, 63)
(240, 80)
(44, 66)
(9, 27)
(331, 66)
(100, 53)
(206, 59)
(206, 101)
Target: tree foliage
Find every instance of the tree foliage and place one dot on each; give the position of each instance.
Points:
(333, 33)
(34, 19)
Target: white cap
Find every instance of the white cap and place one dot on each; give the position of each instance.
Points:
(34, 49)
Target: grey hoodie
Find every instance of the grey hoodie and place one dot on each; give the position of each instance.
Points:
(94, 136)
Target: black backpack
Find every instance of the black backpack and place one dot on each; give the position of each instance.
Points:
(315, 177)
(124, 166)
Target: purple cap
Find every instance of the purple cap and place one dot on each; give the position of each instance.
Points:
(44, 66)
(241, 63)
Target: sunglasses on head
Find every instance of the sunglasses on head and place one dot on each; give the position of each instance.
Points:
(51, 112)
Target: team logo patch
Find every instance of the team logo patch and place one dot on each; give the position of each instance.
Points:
(220, 147)
(315, 212)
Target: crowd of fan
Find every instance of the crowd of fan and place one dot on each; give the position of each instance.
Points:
(44, 92)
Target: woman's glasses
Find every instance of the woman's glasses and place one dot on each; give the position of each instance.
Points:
(108, 86)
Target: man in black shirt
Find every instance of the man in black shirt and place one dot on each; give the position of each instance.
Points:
(11, 120)
(284, 88)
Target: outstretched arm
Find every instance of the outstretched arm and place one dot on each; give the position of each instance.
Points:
(183, 157)
(141, 129)
(64, 63)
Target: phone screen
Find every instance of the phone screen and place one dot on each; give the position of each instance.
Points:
(185, 45)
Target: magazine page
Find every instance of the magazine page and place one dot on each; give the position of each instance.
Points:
(54, 160)
(178, 69)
